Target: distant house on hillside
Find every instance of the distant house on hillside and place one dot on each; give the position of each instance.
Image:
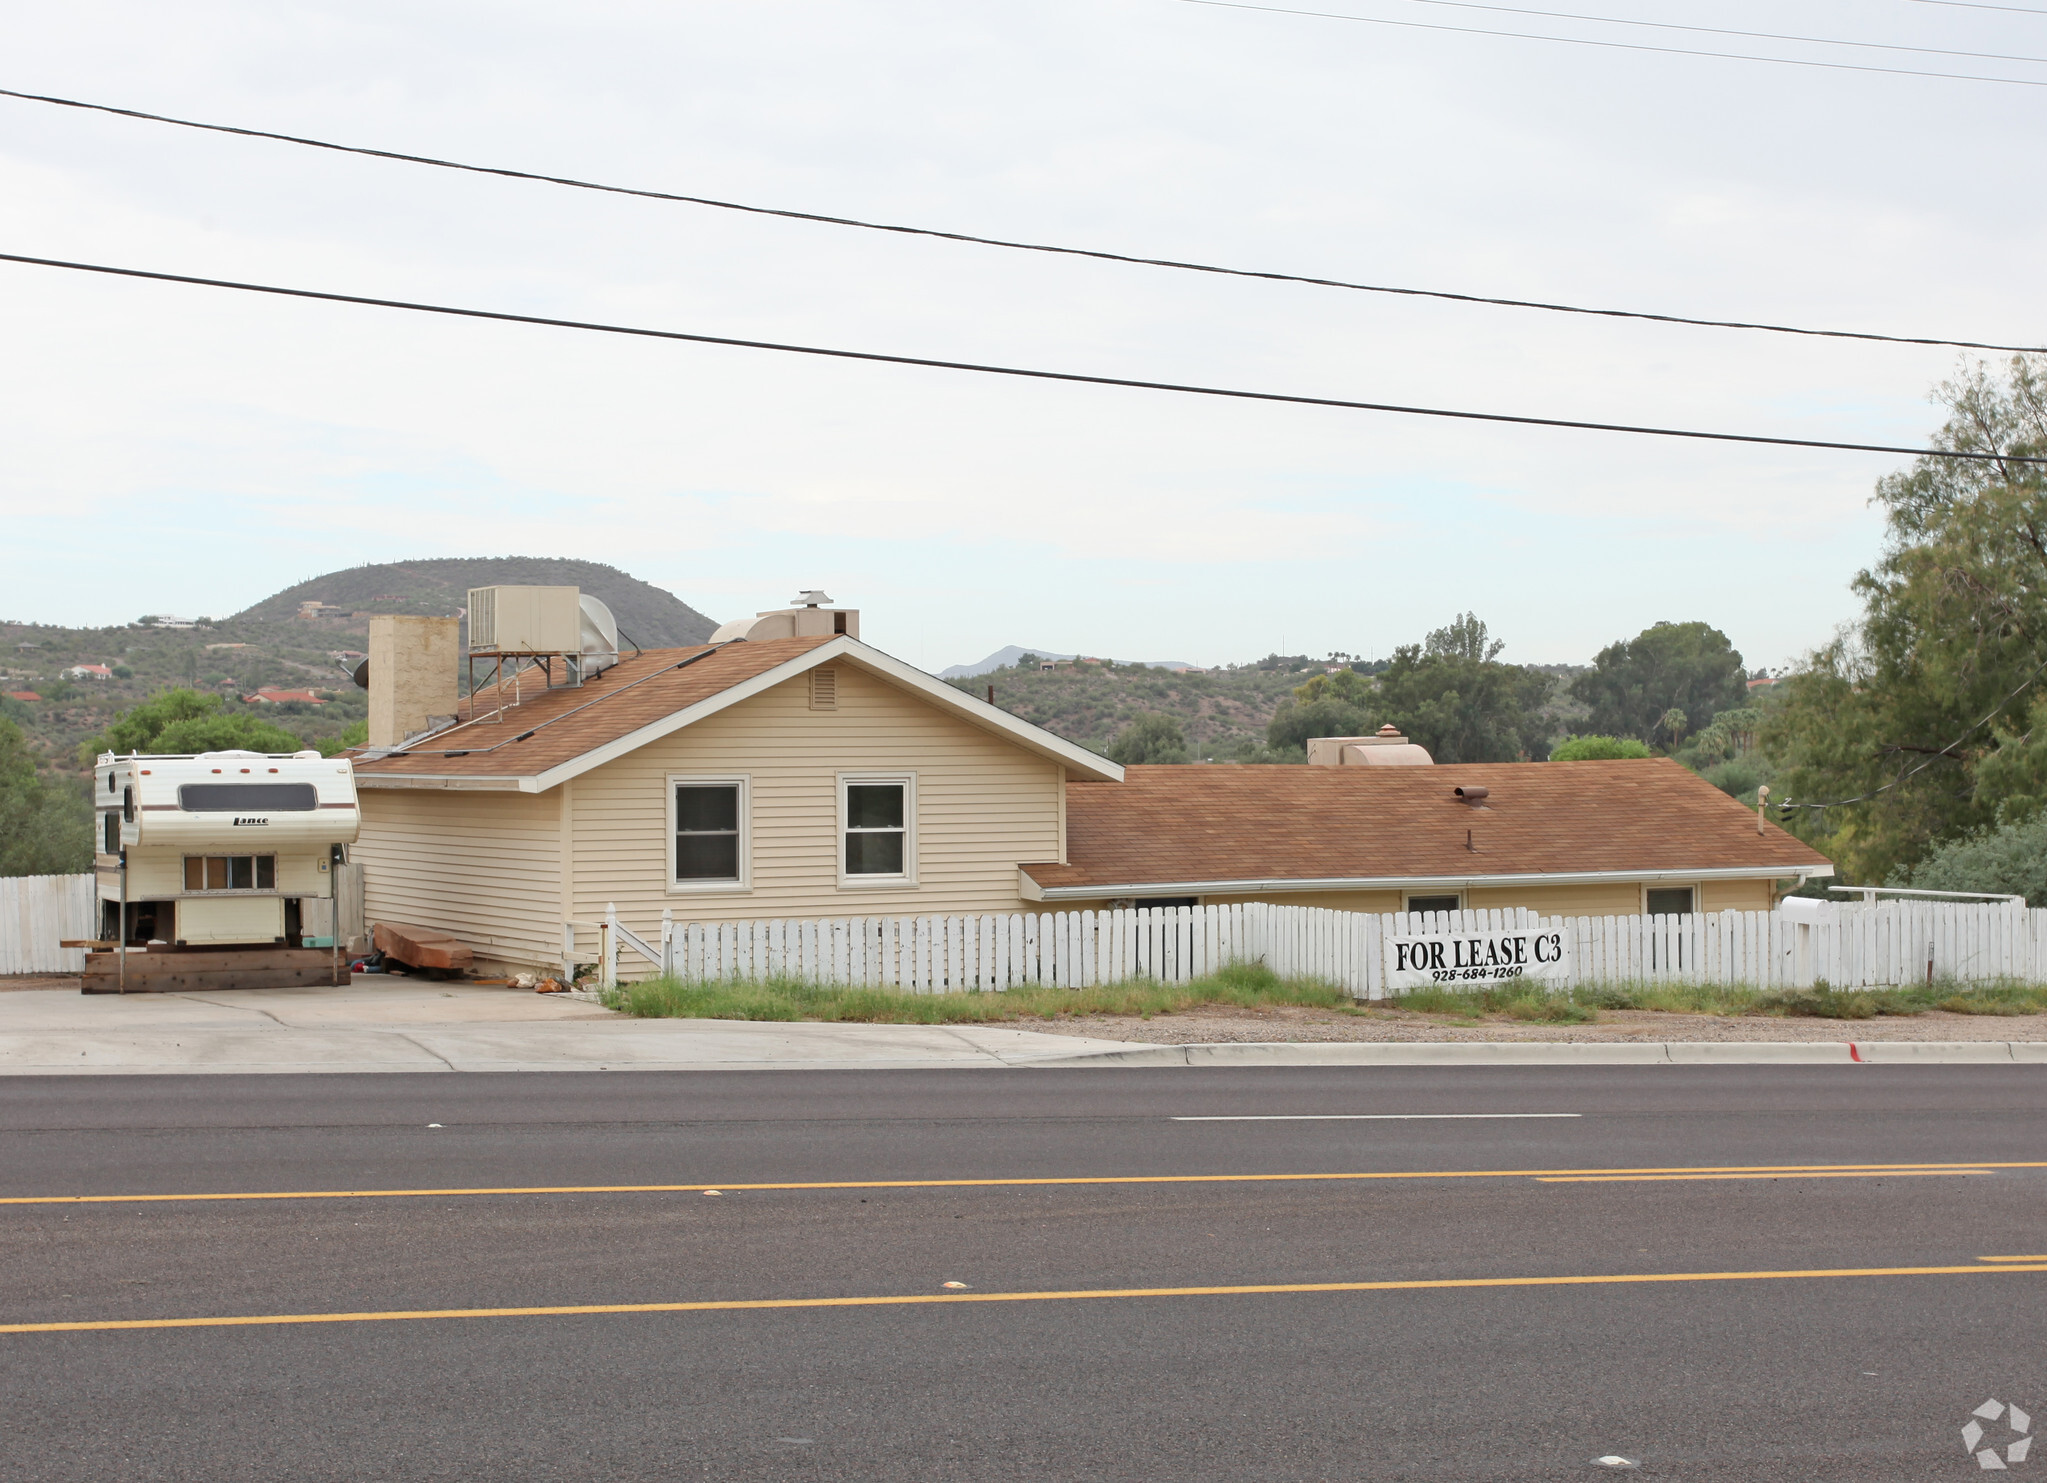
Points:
(271, 695)
(1763, 682)
(23, 695)
(314, 608)
(88, 672)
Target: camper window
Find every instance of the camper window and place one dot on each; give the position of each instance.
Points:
(230, 872)
(248, 798)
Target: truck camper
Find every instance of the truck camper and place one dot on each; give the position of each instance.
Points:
(217, 870)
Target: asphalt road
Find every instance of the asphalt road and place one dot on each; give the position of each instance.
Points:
(1864, 1377)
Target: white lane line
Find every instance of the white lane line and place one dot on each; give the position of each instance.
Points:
(1369, 1117)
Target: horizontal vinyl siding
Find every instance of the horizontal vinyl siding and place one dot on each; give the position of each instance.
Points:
(984, 806)
(483, 867)
(1609, 899)
(1738, 896)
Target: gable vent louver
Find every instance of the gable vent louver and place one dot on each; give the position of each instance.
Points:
(824, 689)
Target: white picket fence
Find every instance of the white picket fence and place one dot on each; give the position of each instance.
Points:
(1893, 942)
(39, 911)
(1888, 944)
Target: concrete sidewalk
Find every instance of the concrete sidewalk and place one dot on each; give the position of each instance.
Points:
(398, 1024)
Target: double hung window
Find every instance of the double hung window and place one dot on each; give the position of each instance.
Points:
(708, 827)
(877, 830)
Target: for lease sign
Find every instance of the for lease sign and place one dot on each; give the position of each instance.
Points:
(1476, 959)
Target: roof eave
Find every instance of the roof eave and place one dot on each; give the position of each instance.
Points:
(1033, 891)
(1078, 761)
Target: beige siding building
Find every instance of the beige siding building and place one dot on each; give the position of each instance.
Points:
(805, 777)
(840, 783)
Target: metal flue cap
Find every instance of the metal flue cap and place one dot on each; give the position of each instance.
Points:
(812, 599)
(1474, 795)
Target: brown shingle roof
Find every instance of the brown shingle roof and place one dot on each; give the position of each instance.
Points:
(568, 723)
(1171, 825)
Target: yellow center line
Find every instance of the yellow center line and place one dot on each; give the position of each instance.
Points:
(909, 1299)
(1804, 1174)
(2012, 1258)
(685, 1189)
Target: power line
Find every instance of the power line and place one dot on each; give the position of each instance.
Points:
(1673, 51)
(1946, 751)
(1975, 5)
(1082, 252)
(1018, 371)
(1610, 20)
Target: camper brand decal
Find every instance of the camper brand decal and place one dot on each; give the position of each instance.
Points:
(241, 821)
(1475, 958)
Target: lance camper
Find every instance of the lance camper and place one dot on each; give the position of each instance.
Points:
(218, 870)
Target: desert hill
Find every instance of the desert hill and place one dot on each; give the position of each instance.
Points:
(652, 618)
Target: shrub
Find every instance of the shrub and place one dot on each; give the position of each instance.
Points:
(1598, 749)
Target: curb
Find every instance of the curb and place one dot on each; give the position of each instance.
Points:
(1573, 1053)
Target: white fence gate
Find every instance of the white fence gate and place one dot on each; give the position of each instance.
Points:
(1888, 944)
(39, 911)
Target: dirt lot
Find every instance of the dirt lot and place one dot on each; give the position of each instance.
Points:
(1209, 1026)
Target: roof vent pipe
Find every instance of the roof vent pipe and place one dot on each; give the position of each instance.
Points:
(1474, 796)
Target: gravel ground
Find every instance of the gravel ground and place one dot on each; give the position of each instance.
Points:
(1210, 1026)
(24, 981)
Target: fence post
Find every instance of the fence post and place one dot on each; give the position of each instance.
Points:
(607, 973)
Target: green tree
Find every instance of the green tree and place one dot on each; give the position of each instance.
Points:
(173, 721)
(1597, 749)
(1465, 709)
(1151, 737)
(356, 735)
(1449, 693)
(1463, 638)
(1926, 721)
(1635, 685)
(1325, 715)
(1326, 705)
(45, 824)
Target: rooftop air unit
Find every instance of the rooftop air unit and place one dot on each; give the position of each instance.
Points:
(525, 620)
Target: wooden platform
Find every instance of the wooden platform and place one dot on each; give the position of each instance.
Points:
(425, 948)
(185, 971)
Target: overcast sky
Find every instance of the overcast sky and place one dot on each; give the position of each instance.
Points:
(175, 449)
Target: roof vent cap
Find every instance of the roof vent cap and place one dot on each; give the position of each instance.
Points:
(1474, 795)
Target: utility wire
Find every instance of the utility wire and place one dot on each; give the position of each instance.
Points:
(1673, 51)
(1975, 5)
(1019, 371)
(1610, 20)
(1083, 252)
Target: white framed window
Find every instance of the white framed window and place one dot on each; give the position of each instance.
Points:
(877, 829)
(710, 835)
(1435, 901)
(1669, 901)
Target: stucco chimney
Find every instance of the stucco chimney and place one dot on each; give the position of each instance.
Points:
(412, 667)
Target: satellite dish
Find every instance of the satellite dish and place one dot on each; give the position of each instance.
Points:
(361, 674)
